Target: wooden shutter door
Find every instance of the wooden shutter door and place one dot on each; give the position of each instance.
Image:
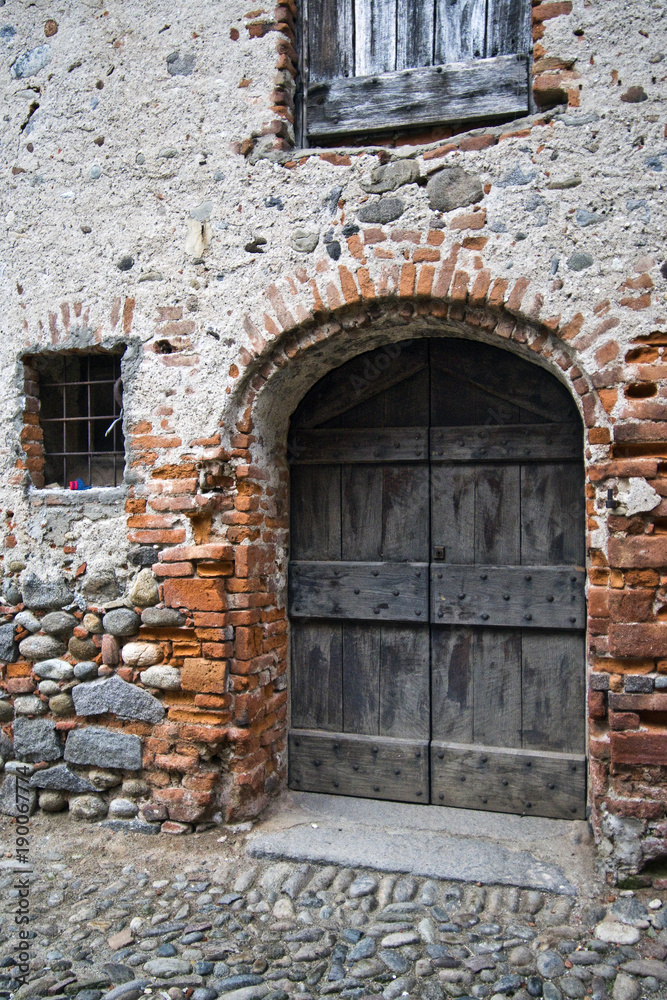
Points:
(507, 586)
(372, 65)
(359, 580)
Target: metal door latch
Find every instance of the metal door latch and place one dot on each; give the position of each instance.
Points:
(438, 551)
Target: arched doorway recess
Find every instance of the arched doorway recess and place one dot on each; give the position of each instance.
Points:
(436, 584)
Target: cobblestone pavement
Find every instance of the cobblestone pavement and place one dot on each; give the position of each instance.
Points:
(124, 916)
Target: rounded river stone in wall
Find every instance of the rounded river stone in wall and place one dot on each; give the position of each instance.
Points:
(162, 616)
(453, 188)
(41, 647)
(141, 654)
(58, 623)
(120, 621)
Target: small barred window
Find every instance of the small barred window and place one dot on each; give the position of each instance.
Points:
(79, 400)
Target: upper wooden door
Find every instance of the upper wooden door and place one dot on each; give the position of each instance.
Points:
(436, 582)
(376, 64)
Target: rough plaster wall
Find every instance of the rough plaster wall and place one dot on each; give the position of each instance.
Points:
(142, 203)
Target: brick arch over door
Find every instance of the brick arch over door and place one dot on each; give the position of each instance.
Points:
(277, 374)
(436, 593)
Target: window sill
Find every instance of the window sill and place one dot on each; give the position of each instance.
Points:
(71, 498)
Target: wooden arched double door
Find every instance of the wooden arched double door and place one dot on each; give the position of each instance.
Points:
(436, 582)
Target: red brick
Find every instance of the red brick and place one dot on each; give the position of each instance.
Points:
(471, 220)
(184, 805)
(157, 537)
(406, 287)
(639, 748)
(196, 595)
(621, 721)
(207, 676)
(248, 642)
(545, 11)
(638, 551)
(174, 569)
(655, 702)
(186, 552)
(597, 708)
(176, 762)
(598, 602)
(631, 605)
(638, 640)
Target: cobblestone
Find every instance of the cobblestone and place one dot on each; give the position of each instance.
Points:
(197, 920)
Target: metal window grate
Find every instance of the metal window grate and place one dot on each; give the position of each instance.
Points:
(80, 415)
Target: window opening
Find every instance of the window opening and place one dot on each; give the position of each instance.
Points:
(80, 414)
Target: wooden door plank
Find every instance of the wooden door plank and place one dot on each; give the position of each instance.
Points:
(497, 687)
(453, 513)
(404, 682)
(406, 403)
(315, 512)
(509, 442)
(552, 512)
(507, 27)
(368, 766)
(516, 781)
(415, 33)
(481, 89)
(361, 500)
(452, 684)
(316, 654)
(460, 30)
(374, 36)
(553, 691)
(359, 591)
(405, 513)
(361, 379)
(362, 657)
(352, 446)
(497, 514)
(529, 597)
(507, 377)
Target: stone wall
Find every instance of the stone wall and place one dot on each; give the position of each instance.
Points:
(156, 203)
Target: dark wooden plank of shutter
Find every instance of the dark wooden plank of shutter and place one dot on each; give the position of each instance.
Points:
(359, 445)
(315, 512)
(507, 27)
(453, 513)
(404, 682)
(361, 678)
(317, 675)
(405, 513)
(497, 514)
(368, 591)
(481, 89)
(415, 33)
(460, 30)
(512, 780)
(497, 687)
(330, 34)
(374, 36)
(517, 442)
(553, 691)
(515, 596)
(452, 684)
(552, 512)
(368, 766)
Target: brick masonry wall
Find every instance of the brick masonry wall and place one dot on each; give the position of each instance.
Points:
(236, 271)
